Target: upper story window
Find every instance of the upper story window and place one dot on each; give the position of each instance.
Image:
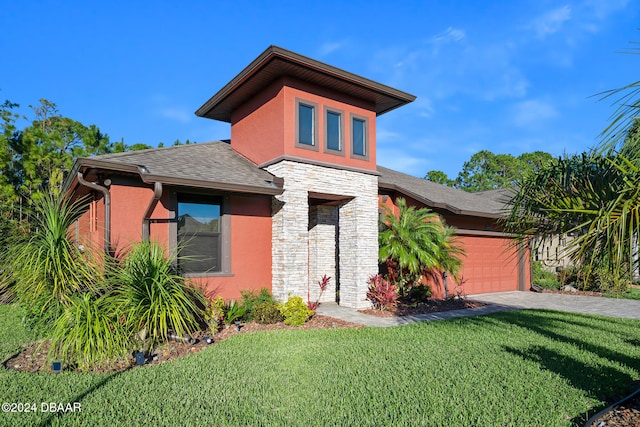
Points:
(333, 131)
(306, 124)
(359, 137)
(199, 233)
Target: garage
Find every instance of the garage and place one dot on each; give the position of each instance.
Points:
(490, 265)
(491, 262)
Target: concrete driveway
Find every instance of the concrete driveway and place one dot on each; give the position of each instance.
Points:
(499, 302)
(565, 302)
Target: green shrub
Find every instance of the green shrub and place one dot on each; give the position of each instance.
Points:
(158, 300)
(250, 298)
(267, 312)
(419, 293)
(89, 332)
(233, 311)
(46, 270)
(214, 313)
(295, 311)
(544, 278)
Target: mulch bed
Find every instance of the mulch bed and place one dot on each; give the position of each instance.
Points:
(627, 414)
(33, 358)
(576, 292)
(432, 306)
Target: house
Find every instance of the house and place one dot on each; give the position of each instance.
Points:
(491, 262)
(294, 194)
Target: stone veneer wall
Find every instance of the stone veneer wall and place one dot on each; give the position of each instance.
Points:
(323, 232)
(357, 230)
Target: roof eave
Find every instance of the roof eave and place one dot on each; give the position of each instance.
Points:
(146, 177)
(275, 52)
(433, 204)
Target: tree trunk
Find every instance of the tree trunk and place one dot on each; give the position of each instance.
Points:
(445, 276)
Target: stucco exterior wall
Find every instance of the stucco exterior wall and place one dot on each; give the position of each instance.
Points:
(357, 228)
(263, 129)
(250, 249)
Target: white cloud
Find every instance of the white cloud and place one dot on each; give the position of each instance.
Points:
(601, 9)
(450, 34)
(551, 22)
(329, 47)
(384, 135)
(178, 114)
(532, 112)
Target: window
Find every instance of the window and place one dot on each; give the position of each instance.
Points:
(358, 137)
(199, 233)
(333, 131)
(306, 125)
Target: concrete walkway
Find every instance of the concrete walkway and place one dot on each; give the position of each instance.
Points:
(499, 302)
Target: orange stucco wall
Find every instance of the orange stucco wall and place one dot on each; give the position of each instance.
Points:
(250, 249)
(250, 233)
(257, 128)
(264, 128)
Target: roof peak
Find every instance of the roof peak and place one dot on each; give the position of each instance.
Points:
(276, 62)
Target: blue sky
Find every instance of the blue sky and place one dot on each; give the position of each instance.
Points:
(506, 76)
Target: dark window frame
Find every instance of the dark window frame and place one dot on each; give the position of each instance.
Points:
(340, 113)
(224, 233)
(314, 132)
(365, 136)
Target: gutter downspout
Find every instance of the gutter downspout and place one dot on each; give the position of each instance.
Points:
(107, 209)
(157, 194)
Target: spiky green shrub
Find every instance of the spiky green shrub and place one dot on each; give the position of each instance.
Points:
(49, 268)
(158, 299)
(90, 332)
(295, 311)
(233, 311)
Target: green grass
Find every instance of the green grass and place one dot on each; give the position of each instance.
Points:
(12, 332)
(538, 368)
(632, 293)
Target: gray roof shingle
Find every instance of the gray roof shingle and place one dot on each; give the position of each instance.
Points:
(439, 196)
(207, 165)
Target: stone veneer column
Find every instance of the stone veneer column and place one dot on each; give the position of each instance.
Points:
(323, 227)
(357, 222)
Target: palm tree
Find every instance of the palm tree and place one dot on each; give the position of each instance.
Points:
(595, 196)
(449, 262)
(416, 240)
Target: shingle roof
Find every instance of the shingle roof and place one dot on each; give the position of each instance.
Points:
(500, 195)
(439, 196)
(206, 165)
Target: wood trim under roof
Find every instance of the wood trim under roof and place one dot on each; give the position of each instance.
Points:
(276, 62)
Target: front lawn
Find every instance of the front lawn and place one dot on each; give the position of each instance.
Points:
(515, 368)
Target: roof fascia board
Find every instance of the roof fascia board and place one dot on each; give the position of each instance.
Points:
(275, 52)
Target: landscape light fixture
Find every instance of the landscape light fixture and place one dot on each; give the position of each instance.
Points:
(139, 358)
(56, 367)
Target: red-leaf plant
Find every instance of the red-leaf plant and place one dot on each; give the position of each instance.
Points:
(323, 283)
(382, 293)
